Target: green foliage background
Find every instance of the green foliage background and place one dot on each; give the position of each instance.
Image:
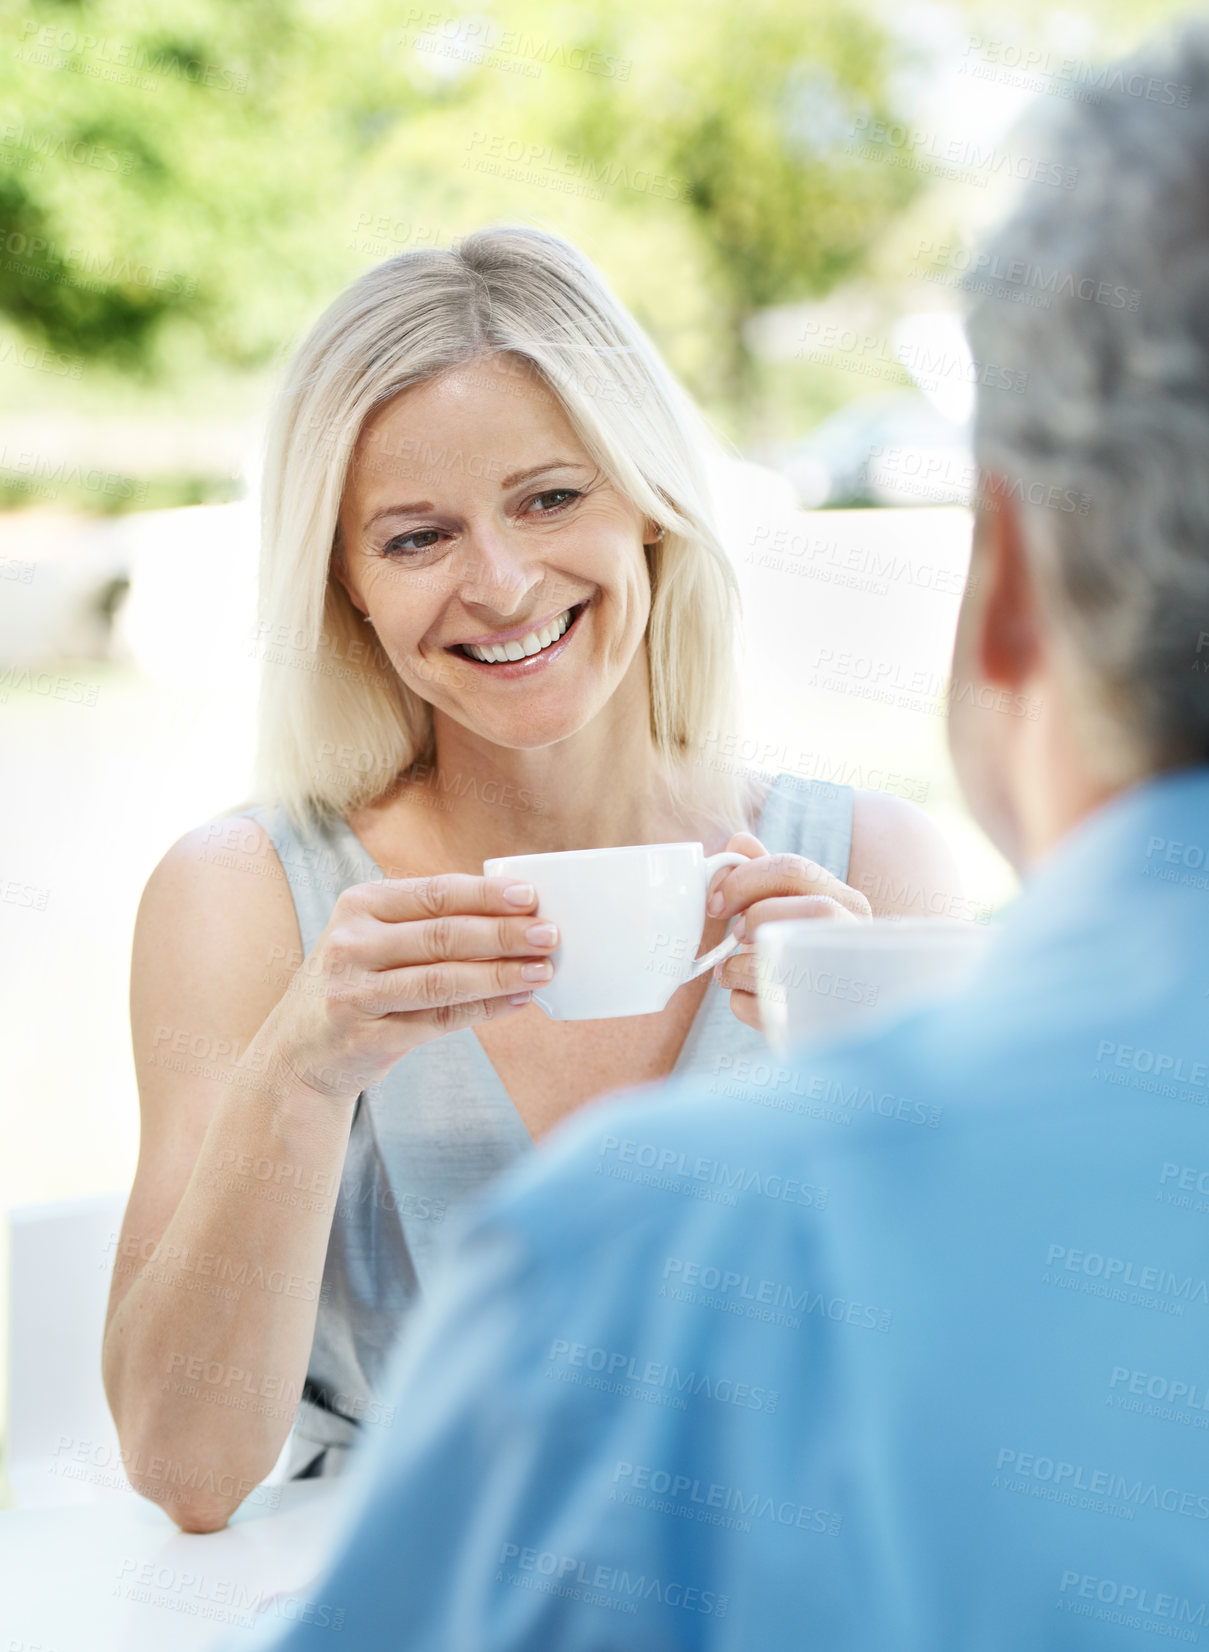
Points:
(182, 187)
(187, 186)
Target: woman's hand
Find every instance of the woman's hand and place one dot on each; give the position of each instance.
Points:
(403, 961)
(768, 888)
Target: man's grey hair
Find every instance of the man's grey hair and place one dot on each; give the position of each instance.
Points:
(1099, 295)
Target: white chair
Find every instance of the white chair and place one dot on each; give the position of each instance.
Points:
(62, 1447)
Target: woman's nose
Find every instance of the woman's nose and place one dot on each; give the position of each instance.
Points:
(494, 574)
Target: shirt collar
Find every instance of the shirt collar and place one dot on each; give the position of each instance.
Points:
(1146, 847)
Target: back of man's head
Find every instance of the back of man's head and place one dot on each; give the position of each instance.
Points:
(1094, 298)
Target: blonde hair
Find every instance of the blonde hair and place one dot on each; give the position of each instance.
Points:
(519, 300)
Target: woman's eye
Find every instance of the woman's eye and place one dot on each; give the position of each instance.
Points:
(561, 496)
(423, 539)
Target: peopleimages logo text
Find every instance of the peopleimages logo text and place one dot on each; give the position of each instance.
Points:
(1117, 1270)
(1103, 1483)
(574, 1574)
(620, 1368)
(708, 1496)
(716, 1172)
(1155, 1387)
(1133, 1597)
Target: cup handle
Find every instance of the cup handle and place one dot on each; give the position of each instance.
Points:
(727, 946)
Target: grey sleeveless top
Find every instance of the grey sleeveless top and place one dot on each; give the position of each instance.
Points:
(440, 1124)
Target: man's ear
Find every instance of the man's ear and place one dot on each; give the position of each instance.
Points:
(1007, 642)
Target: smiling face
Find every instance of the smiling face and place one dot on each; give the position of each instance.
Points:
(503, 572)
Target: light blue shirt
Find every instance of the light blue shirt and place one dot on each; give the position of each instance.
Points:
(900, 1344)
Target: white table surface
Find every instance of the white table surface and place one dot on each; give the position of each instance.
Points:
(118, 1576)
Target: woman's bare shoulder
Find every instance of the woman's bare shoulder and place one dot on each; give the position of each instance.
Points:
(900, 859)
(231, 850)
(220, 897)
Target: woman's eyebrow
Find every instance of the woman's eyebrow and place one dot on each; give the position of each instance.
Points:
(417, 509)
(537, 470)
(518, 476)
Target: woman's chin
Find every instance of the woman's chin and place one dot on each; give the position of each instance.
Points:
(529, 727)
(531, 735)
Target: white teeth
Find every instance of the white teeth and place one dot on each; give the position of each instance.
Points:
(532, 643)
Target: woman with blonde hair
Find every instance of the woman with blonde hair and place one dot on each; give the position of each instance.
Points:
(496, 618)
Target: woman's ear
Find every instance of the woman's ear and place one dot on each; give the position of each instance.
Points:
(652, 567)
(339, 567)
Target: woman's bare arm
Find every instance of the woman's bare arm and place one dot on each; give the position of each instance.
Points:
(218, 1267)
(250, 1059)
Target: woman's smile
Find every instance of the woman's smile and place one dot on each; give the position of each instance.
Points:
(523, 650)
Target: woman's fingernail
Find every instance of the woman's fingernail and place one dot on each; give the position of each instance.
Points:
(519, 997)
(537, 972)
(520, 894)
(542, 935)
(715, 903)
(740, 929)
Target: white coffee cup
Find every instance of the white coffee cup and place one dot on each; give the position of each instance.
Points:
(629, 922)
(820, 977)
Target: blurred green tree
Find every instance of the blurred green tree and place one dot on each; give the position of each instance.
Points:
(212, 175)
(754, 107)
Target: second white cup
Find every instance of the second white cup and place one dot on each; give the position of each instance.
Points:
(817, 978)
